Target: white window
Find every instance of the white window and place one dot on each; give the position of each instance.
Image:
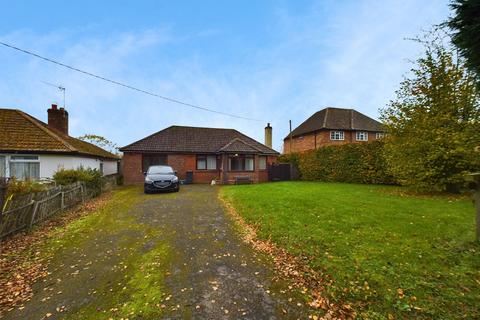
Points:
(362, 136)
(25, 167)
(337, 135)
(262, 163)
(3, 167)
(379, 135)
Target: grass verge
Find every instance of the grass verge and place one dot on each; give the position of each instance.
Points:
(389, 254)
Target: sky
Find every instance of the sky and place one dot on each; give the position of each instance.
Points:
(273, 61)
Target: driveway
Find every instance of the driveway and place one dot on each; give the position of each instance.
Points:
(180, 249)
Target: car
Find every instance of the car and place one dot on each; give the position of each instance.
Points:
(161, 178)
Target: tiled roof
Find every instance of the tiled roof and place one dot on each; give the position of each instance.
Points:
(238, 145)
(339, 119)
(179, 139)
(21, 132)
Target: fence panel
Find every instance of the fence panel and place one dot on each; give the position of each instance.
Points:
(47, 207)
(15, 220)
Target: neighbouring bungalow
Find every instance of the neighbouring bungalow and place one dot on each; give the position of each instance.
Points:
(31, 149)
(200, 155)
(332, 126)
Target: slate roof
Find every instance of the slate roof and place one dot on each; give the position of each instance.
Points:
(180, 139)
(337, 119)
(21, 132)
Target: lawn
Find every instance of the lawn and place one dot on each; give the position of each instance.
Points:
(390, 254)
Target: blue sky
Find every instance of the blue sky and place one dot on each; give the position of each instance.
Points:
(269, 60)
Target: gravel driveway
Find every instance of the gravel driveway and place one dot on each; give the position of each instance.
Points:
(210, 272)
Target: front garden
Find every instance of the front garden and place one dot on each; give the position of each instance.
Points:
(390, 254)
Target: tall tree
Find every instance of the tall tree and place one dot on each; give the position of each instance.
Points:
(433, 125)
(466, 27)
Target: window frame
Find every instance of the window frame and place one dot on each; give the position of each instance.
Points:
(29, 159)
(205, 157)
(260, 163)
(379, 135)
(341, 135)
(242, 158)
(365, 133)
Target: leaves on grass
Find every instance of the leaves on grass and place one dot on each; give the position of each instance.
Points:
(21, 261)
(288, 266)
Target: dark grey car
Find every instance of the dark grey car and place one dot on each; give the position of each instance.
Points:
(161, 178)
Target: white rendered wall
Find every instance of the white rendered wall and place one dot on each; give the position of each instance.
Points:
(109, 167)
(49, 164)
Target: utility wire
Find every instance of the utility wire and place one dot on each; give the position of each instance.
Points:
(126, 85)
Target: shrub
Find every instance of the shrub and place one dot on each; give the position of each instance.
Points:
(91, 177)
(19, 187)
(353, 163)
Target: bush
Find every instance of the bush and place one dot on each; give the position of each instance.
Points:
(353, 163)
(91, 177)
(19, 187)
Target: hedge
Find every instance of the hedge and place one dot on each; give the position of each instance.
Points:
(354, 163)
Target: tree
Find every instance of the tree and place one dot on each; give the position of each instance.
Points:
(466, 27)
(433, 125)
(101, 142)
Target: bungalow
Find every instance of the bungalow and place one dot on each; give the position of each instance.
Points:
(200, 155)
(332, 126)
(32, 149)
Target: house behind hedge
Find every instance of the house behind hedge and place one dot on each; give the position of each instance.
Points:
(332, 126)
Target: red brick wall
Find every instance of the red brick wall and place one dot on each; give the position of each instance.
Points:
(132, 169)
(320, 139)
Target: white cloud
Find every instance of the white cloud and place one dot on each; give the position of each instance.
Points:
(351, 54)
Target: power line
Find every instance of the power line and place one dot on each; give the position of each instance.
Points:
(126, 85)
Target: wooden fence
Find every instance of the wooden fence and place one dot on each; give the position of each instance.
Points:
(23, 212)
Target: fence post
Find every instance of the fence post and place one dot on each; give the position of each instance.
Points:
(34, 212)
(82, 191)
(3, 193)
(62, 204)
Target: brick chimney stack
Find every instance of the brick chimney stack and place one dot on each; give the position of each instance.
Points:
(58, 119)
(268, 135)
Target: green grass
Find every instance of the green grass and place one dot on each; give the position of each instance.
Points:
(133, 284)
(373, 241)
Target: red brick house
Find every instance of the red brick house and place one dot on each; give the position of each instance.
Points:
(209, 153)
(332, 126)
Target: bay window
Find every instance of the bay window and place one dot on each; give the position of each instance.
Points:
(241, 163)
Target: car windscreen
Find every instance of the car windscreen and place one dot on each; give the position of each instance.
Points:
(160, 170)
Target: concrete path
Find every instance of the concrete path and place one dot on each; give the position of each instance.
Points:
(208, 273)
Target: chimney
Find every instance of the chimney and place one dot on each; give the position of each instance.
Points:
(268, 135)
(58, 119)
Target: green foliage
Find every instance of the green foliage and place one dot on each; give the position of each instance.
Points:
(433, 126)
(466, 26)
(19, 187)
(101, 142)
(354, 163)
(390, 254)
(91, 177)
